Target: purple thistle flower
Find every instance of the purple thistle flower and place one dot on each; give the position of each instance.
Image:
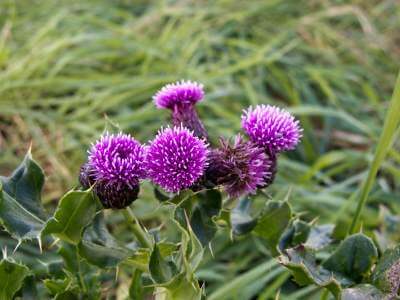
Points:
(271, 127)
(241, 168)
(176, 159)
(115, 166)
(180, 98)
(117, 159)
(181, 92)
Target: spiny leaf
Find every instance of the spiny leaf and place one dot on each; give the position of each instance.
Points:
(386, 275)
(191, 250)
(12, 276)
(301, 231)
(179, 283)
(99, 247)
(159, 268)
(75, 211)
(320, 236)
(354, 257)
(296, 234)
(17, 220)
(209, 206)
(58, 286)
(84, 278)
(362, 292)
(180, 288)
(302, 263)
(25, 185)
(201, 208)
(140, 259)
(240, 218)
(273, 222)
(21, 210)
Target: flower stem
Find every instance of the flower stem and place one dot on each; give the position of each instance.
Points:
(138, 231)
(384, 144)
(324, 294)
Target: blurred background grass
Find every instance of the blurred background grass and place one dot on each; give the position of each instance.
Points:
(70, 68)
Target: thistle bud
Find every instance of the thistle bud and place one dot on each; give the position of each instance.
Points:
(241, 168)
(181, 98)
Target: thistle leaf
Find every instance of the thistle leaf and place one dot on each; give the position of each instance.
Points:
(302, 263)
(273, 222)
(21, 211)
(75, 211)
(240, 219)
(202, 223)
(159, 268)
(362, 292)
(354, 257)
(180, 288)
(99, 247)
(386, 275)
(12, 276)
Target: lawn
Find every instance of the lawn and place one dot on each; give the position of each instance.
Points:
(69, 70)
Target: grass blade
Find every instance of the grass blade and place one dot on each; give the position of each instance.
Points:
(389, 128)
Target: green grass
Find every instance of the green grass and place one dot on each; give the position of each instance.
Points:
(384, 144)
(70, 69)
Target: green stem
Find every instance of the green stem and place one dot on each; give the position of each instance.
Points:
(389, 128)
(324, 295)
(81, 279)
(138, 231)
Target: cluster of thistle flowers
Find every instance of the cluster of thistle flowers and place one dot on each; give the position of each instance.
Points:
(180, 157)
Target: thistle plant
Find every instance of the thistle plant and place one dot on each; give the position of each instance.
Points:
(206, 188)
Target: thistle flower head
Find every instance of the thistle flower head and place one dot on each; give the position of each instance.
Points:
(271, 127)
(181, 92)
(117, 159)
(241, 168)
(115, 166)
(176, 158)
